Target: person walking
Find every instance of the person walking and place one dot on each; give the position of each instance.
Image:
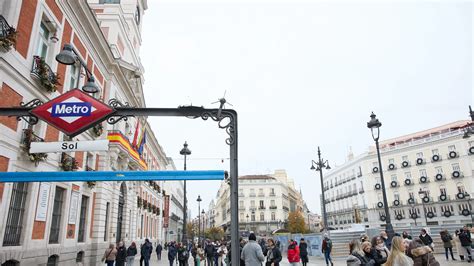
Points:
(356, 255)
(222, 252)
(466, 241)
(421, 254)
(273, 254)
(200, 257)
(252, 252)
(386, 240)
(110, 255)
(303, 252)
(397, 255)
(209, 251)
(326, 249)
(447, 243)
(158, 250)
(131, 252)
(145, 252)
(172, 252)
(367, 250)
(293, 253)
(405, 235)
(426, 239)
(121, 254)
(183, 254)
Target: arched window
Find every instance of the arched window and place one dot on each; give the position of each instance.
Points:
(53, 260)
(262, 216)
(80, 256)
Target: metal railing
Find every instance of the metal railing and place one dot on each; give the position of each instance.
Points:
(14, 222)
(43, 72)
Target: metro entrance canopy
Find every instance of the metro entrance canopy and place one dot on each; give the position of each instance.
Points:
(111, 176)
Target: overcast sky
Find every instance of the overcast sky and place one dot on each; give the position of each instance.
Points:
(302, 74)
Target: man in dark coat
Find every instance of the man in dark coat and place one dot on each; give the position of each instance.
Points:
(158, 250)
(465, 239)
(304, 252)
(172, 251)
(426, 239)
(145, 252)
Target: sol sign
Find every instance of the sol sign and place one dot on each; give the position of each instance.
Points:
(73, 112)
(85, 145)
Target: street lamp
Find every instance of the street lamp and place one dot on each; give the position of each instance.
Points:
(199, 217)
(468, 197)
(423, 194)
(374, 125)
(320, 164)
(69, 56)
(185, 151)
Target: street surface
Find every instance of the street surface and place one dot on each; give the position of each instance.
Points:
(312, 261)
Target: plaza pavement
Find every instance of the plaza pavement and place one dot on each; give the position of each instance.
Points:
(312, 261)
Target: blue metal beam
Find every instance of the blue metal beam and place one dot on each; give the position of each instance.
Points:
(110, 176)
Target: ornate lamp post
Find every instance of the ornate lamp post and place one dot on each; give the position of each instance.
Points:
(185, 151)
(374, 125)
(199, 217)
(320, 164)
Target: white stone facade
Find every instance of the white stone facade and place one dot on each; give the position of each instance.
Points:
(353, 190)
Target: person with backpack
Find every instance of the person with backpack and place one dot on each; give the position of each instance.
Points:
(172, 253)
(447, 244)
(131, 252)
(465, 239)
(326, 249)
(145, 252)
(121, 254)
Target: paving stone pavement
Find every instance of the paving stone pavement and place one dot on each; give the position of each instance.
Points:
(312, 261)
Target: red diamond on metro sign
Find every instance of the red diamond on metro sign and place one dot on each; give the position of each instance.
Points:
(73, 112)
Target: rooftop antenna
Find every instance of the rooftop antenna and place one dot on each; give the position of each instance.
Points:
(222, 101)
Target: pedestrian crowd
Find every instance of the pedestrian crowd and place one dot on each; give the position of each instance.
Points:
(404, 250)
(400, 250)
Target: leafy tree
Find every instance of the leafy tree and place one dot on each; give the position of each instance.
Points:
(191, 230)
(214, 233)
(296, 223)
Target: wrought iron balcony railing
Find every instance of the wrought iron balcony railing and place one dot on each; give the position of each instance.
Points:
(7, 34)
(43, 72)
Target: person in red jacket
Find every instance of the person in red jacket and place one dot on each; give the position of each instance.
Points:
(293, 253)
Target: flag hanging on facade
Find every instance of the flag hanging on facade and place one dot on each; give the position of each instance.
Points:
(135, 136)
(142, 143)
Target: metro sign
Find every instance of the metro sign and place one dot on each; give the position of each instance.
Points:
(73, 112)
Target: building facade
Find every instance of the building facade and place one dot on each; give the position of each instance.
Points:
(428, 178)
(65, 223)
(264, 202)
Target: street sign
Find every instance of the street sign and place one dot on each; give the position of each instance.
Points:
(93, 145)
(73, 112)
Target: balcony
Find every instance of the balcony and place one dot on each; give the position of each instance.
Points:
(27, 138)
(361, 190)
(44, 74)
(286, 208)
(241, 208)
(261, 194)
(272, 194)
(241, 195)
(253, 195)
(68, 163)
(261, 207)
(273, 207)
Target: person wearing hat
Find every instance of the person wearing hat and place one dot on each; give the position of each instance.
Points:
(252, 252)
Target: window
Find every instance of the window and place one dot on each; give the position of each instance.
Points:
(273, 216)
(107, 222)
(260, 192)
(456, 167)
(435, 152)
(80, 256)
(272, 191)
(375, 164)
(241, 203)
(419, 155)
(43, 41)
(74, 76)
(252, 203)
(82, 219)
(439, 170)
(262, 216)
(253, 217)
(394, 177)
(451, 148)
(405, 158)
(390, 161)
(56, 218)
(422, 172)
(261, 204)
(272, 202)
(14, 225)
(241, 216)
(396, 196)
(53, 260)
(442, 190)
(411, 195)
(11, 263)
(460, 187)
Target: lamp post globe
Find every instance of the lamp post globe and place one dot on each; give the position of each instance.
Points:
(185, 152)
(66, 56)
(374, 125)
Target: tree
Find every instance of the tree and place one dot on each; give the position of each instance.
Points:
(191, 230)
(214, 233)
(296, 223)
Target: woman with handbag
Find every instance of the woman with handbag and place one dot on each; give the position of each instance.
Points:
(110, 255)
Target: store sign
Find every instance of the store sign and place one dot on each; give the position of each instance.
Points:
(42, 204)
(64, 146)
(73, 112)
(166, 215)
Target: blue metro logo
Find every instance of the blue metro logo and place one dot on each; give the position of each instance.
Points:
(71, 109)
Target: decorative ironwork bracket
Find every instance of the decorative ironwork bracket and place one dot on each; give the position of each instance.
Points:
(29, 118)
(114, 118)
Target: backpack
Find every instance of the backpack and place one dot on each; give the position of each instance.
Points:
(329, 244)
